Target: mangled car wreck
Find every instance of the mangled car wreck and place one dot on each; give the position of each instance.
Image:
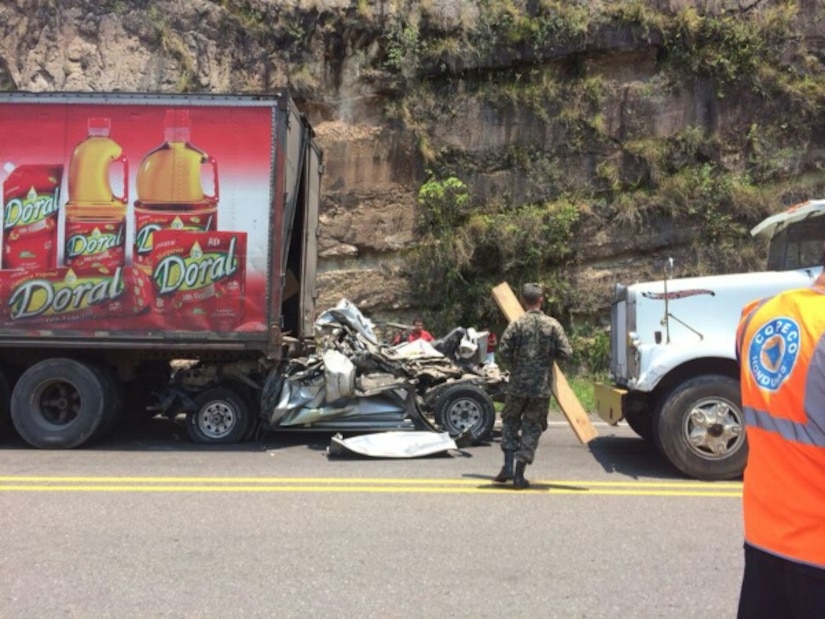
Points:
(352, 382)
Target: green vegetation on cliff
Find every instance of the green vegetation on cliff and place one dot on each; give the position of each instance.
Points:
(757, 91)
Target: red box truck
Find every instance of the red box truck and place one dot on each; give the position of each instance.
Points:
(143, 228)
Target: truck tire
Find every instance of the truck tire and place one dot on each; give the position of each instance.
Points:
(641, 423)
(5, 406)
(699, 428)
(465, 408)
(223, 416)
(58, 404)
(252, 399)
(112, 401)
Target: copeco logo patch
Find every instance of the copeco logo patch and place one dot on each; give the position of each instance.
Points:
(773, 351)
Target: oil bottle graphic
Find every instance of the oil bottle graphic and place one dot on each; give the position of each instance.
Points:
(170, 188)
(95, 234)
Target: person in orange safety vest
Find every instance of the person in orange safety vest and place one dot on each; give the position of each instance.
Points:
(781, 348)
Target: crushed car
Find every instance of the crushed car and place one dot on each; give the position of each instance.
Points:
(352, 382)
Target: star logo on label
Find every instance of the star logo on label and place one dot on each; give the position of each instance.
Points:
(772, 353)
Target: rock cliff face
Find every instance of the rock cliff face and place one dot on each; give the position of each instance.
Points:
(650, 128)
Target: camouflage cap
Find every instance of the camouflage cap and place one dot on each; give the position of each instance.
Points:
(532, 291)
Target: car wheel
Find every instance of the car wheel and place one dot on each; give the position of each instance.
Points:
(700, 429)
(57, 404)
(465, 409)
(223, 416)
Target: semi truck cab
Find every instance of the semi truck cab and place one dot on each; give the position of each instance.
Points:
(674, 376)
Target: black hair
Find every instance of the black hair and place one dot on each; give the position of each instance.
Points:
(531, 297)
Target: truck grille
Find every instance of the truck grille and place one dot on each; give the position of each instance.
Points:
(618, 335)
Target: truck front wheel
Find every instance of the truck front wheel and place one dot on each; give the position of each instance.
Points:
(641, 423)
(223, 416)
(699, 428)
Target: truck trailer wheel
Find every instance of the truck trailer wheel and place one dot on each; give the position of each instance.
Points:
(112, 401)
(465, 408)
(5, 405)
(700, 429)
(223, 416)
(58, 404)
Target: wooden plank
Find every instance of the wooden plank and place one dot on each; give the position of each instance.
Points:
(577, 417)
(573, 411)
(507, 302)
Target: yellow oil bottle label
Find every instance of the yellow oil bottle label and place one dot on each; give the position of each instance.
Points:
(95, 245)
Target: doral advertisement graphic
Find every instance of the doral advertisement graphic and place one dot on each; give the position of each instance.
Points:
(773, 351)
(117, 216)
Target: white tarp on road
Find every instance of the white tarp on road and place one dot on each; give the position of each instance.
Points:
(393, 444)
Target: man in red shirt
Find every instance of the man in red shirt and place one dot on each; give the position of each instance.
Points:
(419, 332)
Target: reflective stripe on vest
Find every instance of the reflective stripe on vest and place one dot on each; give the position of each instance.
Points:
(809, 433)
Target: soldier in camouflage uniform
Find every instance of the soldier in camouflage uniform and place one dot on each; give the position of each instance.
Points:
(529, 346)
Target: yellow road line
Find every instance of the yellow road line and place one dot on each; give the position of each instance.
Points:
(70, 483)
(59, 479)
(365, 489)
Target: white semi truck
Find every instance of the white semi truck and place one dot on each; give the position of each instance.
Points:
(673, 366)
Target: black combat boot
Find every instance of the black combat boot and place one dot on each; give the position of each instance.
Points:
(518, 479)
(506, 472)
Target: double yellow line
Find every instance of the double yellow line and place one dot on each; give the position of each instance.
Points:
(24, 483)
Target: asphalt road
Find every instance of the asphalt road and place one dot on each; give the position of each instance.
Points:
(150, 525)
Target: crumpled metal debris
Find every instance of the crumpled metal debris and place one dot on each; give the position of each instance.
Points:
(353, 381)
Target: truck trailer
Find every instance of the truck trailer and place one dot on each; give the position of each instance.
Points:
(674, 375)
(139, 229)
